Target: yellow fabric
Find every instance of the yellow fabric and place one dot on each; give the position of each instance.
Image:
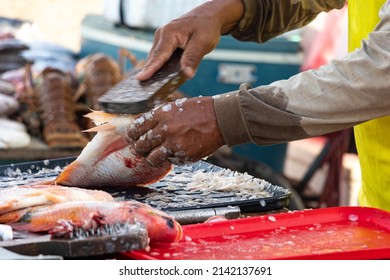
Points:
(373, 137)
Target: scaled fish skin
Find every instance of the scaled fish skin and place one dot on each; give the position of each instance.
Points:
(19, 197)
(91, 214)
(107, 159)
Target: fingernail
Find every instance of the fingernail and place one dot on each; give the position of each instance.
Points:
(140, 75)
(189, 72)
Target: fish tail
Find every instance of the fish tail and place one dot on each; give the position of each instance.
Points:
(68, 228)
(101, 127)
(6, 206)
(100, 117)
(49, 182)
(13, 217)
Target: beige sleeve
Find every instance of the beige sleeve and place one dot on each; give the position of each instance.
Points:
(336, 96)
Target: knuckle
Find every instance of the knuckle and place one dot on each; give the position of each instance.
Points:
(138, 122)
(159, 30)
(132, 132)
(157, 156)
(156, 53)
(141, 147)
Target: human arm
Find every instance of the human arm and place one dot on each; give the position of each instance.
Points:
(188, 133)
(198, 31)
(342, 94)
(182, 131)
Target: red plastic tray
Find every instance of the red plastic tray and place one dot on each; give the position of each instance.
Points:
(327, 233)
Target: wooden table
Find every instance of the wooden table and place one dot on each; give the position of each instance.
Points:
(37, 150)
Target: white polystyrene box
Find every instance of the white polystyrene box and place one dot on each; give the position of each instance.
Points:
(147, 13)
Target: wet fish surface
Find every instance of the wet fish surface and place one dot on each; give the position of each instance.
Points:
(21, 197)
(107, 159)
(91, 215)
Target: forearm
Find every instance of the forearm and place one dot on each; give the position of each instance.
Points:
(231, 12)
(226, 12)
(346, 92)
(266, 19)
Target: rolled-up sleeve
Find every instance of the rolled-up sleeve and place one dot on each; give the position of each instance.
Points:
(266, 19)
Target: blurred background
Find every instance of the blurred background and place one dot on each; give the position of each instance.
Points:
(46, 44)
(58, 21)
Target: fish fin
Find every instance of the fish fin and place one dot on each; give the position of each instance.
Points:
(51, 182)
(13, 218)
(6, 207)
(53, 197)
(100, 117)
(29, 200)
(64, 228)
(65, 175)
(101, 127)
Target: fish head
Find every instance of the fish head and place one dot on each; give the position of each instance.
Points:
(162, 228)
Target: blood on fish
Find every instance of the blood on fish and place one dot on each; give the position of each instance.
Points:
(130, 163)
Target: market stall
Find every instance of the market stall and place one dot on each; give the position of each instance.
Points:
(224, 215)
(72, 190)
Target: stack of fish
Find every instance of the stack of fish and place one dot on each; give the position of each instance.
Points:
(11, 54)
(13, 134)
(21, 61)
(62, 207)
(52, 89)
(51, 97)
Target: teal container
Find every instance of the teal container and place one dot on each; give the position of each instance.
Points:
(223, 70)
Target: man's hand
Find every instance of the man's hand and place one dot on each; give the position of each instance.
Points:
(196, 32)
(182, 131)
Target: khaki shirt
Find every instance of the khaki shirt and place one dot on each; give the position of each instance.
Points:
(339, 95)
